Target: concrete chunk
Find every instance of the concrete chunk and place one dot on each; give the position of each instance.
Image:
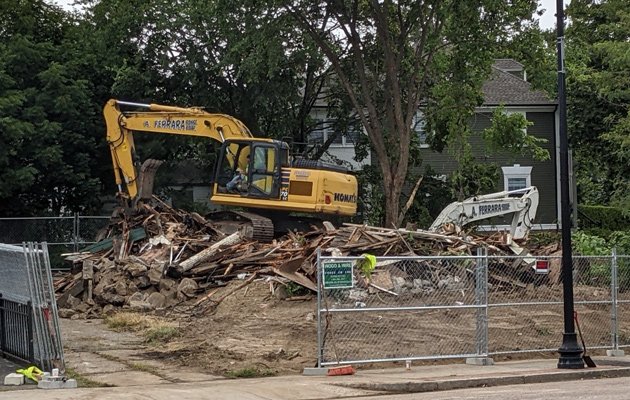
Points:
(56, 383)
(14, 379)
(315, 371)
(479, 361)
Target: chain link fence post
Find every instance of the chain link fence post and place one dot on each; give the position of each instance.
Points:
(75, 232)
(481, 302)
(320, 293)
(614, 290)
(319, 370)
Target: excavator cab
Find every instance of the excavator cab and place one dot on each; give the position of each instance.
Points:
(250, 168)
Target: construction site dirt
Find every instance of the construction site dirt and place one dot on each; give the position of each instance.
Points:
(253, 333)
(229, 306)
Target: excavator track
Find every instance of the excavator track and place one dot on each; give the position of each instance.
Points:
(251, 225)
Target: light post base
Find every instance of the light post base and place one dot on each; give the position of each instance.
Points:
(570, 353)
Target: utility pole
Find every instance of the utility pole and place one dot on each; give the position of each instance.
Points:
(570, 351)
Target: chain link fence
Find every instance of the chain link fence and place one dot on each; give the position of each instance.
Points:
(421, 308)
(63, 234)
(29, 324)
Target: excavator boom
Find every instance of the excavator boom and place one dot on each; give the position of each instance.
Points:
(521, 204)
(159, 119)
(254, 173)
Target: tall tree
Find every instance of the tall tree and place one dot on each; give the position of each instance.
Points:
(45, 143)
(390, 55)
(598, 89)
(241, 59)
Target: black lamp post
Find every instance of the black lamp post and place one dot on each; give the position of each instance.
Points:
(570, 351)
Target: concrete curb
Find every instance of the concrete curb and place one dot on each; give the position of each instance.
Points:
(468, 383)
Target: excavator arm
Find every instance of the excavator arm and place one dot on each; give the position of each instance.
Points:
(159, 119)
(521, 204)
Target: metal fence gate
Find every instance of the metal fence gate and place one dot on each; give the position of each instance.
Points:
(29, 324)
(420, 308)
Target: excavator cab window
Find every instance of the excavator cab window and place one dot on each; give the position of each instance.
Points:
(233, 156)
(258, 165)
(264, 172)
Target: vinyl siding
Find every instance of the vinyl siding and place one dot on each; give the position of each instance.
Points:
(543, 173)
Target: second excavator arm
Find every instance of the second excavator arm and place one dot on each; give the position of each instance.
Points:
(157, 118)
(521, 204)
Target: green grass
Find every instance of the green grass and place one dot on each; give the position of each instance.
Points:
(250, 372)
(161, 334)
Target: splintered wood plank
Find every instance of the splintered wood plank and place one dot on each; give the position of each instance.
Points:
(209, 252)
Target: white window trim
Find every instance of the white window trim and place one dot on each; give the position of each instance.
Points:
(517, 171)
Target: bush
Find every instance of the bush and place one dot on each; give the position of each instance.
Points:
(585, 243)
(589, 245)
(603, 217)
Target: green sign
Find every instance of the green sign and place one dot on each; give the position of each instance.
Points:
(338, 275)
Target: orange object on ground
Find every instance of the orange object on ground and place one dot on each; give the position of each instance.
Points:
(342, 370)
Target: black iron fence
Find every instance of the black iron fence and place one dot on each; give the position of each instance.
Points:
(16, 330)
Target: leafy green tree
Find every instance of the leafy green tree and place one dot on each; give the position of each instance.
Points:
(46, 144)
(239, 58)
(598, 90)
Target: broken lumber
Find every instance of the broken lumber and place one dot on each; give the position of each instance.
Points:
(209, 252)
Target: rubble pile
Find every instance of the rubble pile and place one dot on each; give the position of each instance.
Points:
(162, 257)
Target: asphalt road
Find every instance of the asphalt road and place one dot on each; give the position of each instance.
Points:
(603, 389)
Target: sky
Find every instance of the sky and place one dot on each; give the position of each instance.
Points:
(547, 21)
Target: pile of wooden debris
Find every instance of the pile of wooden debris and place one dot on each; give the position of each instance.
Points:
(162, 257)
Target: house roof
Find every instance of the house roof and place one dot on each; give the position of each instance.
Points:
(504, 88)
(508, 64)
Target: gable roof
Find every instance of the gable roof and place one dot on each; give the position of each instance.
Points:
(504, 88)
(508, 64)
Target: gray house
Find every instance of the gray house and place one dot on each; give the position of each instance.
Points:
(507, 86)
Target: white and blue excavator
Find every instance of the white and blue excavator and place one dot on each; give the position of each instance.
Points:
(521, 204)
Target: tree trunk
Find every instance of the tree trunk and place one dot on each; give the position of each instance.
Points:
(392, 196)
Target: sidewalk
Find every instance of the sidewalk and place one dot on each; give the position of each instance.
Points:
(364, 383)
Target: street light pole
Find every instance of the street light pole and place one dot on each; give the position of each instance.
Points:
(570, 351)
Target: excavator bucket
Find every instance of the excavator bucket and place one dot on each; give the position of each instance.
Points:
(147, 178)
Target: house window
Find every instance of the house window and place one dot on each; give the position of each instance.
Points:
(325, 127)
(516, 177)
(516, 183)
(418, 125)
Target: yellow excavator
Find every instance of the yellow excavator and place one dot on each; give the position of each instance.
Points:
(252, 173)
